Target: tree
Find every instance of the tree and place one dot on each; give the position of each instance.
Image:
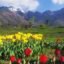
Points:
(31, 21)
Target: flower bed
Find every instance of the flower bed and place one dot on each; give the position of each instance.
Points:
(29, 48)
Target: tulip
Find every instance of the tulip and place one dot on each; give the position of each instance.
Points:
(62, 59)
(58, 40)
(57, 52)
(27, 51)
(19, 61)
(12, 59)
(43, 59)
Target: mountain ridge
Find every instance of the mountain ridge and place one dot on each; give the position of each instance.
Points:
(13, 18)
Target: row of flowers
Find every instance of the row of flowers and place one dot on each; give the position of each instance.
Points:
(42, 58)
(20, 36)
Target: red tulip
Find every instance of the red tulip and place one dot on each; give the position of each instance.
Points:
(62, 59)
(57, 52)
(19, 61)
(12, 59)
(27, 51)
(43, 59)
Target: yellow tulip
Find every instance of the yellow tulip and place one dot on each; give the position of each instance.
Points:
(25, 41)
(37, 36)
(1, 42)
(13, 40)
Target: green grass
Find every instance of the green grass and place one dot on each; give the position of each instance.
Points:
(32, 30)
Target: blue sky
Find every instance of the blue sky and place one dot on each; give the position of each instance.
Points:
(49, 5)
(33, 5)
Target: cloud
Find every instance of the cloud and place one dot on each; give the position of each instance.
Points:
(23, 5)
(58, 1)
